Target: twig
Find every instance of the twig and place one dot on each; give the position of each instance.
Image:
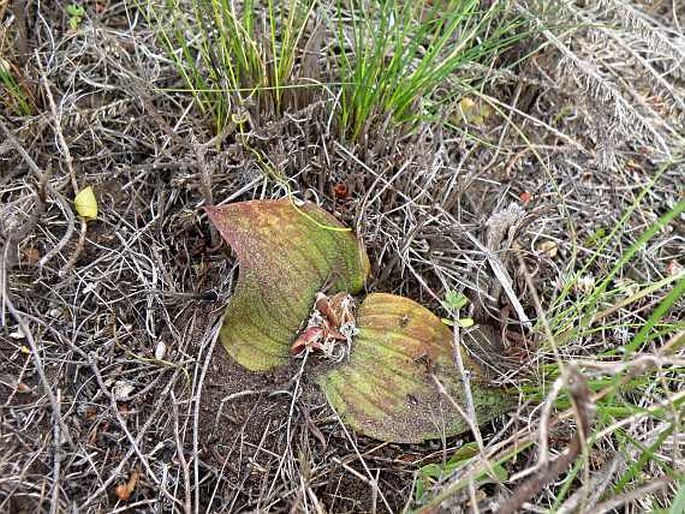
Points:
(122, 423)
(57, 126)
(80, 245)
(468, 418)
(188, 508)
(369, 478)
(43, 178)
(504, 279)
(70, 166)
(235, 396)
(38, 363)
(539, 310)
(536, 483)
(18, 234)
(154, 418)
(288, 438)
(580, 393)
(622, 499)
(596, 486)
(196, 412)
(205, 186)
(466, 385)
(57, 461)
(37, 172)
(472, 496)
(66, 208)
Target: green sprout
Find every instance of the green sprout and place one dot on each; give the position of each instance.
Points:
(76, 13)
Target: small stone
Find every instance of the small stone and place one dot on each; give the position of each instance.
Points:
(55, 313)
(122, 390)
(18, 333)
(160, 350)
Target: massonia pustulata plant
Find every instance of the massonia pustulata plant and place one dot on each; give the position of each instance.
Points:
(392, 373)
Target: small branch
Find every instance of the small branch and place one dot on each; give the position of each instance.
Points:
(43, 179)
(369, 479)
(613, 504)
(544, 476)
(57, 126)
(12, 240)
(466, 384)
(122, 423)
(141, 433)
(77, 251)
(37, 172)
(197, 398)
(469, 417)
(57, 460)
(580, 394)
(38, 364)
(504, 279)
(188, 504)
(66, 208)
(524, 436)
(581, 501)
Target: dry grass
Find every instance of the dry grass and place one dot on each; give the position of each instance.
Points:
(87, 397)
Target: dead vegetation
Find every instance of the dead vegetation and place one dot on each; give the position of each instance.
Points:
(114, 395)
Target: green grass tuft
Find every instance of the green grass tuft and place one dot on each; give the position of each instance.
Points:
(397, 54)
(16, 96)
(636, 389)
(384, 59)
(235, 58)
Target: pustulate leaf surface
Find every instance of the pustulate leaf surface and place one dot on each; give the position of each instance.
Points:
(286, 254)
(389, 388)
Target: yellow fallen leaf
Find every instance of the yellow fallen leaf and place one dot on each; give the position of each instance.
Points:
(550, 248)
(474, 112)
(86, 204)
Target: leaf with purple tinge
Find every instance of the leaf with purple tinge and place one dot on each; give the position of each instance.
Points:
(388, 388)
(286, 255)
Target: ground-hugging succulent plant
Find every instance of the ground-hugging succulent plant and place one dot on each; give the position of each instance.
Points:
(397, 380)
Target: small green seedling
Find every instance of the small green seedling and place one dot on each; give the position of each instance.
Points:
(595, 238)
(463, 322)
(76, 13)
(454, 301)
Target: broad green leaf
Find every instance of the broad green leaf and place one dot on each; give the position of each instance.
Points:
(388, 389)
(286, 255)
